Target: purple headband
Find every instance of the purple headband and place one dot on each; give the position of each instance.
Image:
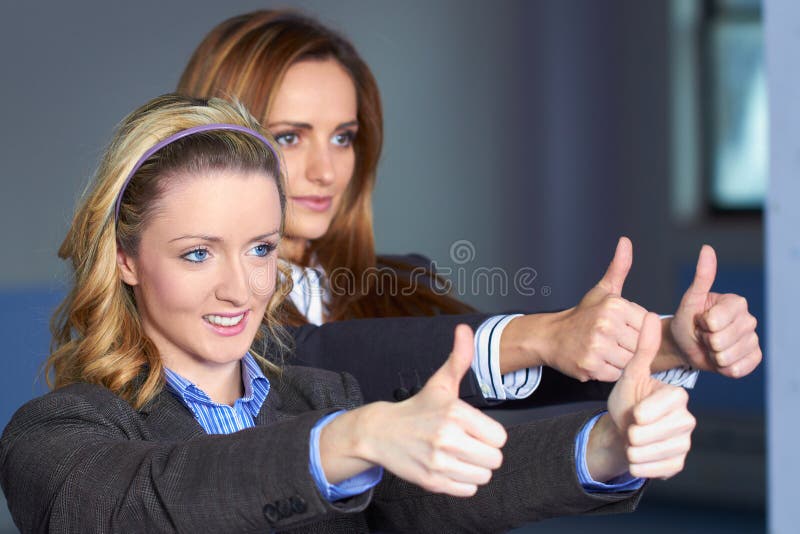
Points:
(180, 135)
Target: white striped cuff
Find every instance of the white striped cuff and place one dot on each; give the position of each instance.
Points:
(486, 364)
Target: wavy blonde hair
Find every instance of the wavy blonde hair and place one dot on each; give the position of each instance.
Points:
(97, 333)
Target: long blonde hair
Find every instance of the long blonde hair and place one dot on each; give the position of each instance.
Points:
(246, 57)
(97, 336)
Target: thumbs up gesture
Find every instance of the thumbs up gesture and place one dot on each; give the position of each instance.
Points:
(596, 339)
(433, 439)
(650, 420)
(715, 332)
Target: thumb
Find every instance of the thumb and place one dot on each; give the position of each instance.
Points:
(704, 273)
(619, 267)
(649, 341)
(449, 375)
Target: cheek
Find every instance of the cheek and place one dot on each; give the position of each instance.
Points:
(169, 289)
(346, 165)
(263, 280)
(293, 170)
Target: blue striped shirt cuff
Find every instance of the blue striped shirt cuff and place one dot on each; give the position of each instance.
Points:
(347, 488)
(486, 364)
(621, 483)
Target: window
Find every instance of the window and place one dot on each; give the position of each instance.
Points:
(736, 105)
(719, 107)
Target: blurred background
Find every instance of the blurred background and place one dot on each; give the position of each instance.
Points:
(520, 135)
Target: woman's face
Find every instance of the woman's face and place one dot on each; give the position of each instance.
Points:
(313, 118)
(206, 269)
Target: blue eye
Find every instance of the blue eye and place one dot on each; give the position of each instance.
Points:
(263, 250)
(344, 139)
(197, 255)
(287, 139)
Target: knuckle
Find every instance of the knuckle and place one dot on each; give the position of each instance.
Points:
(436, 461)
(587, 364)
(496, 461)
(439, 439)
(715, 342)
(633, 435)
(690, 425)
(741, 302)
(603, 324)
(681, 395)
(452, 411)
(680, 463)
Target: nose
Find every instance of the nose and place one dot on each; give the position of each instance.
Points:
(234, 283)
(319, 164)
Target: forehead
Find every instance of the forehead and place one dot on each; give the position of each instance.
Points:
(219, 202)
(315, 89)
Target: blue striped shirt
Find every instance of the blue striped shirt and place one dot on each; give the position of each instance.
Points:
(223, 419)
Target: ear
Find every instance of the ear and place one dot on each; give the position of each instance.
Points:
(127, 268)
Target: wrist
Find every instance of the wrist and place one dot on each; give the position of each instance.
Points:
(605, 452)
(527, 341)
(347, 445)
(669, 354)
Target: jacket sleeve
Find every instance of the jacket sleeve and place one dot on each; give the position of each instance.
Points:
(391, 357)
(79, 460)
(537, 481)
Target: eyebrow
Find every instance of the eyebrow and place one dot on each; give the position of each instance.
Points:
(307, 126)
(215, 239)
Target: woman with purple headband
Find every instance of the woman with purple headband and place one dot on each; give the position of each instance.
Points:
(171, 411)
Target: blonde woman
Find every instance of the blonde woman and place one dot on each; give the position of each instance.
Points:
(164, 419)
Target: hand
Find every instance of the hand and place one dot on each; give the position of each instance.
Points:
(715, 332)
(433, 439)
(650, 419)
(596, 339)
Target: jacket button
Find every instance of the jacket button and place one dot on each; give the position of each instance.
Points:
(271, 513)
(298, 504)
(401, 394)
(284, 508)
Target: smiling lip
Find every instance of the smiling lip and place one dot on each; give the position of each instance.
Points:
(229, 330)
(314, 203)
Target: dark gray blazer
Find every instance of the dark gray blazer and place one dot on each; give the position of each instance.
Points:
(80, 459)
(393, 357)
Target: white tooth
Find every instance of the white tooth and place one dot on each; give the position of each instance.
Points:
(224, 321)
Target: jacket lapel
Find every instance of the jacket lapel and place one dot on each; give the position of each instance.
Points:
(166, 418)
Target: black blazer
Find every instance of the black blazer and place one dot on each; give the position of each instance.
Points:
(393, 357)
(80, 459)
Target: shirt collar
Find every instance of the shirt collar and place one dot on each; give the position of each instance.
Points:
(256, 387)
